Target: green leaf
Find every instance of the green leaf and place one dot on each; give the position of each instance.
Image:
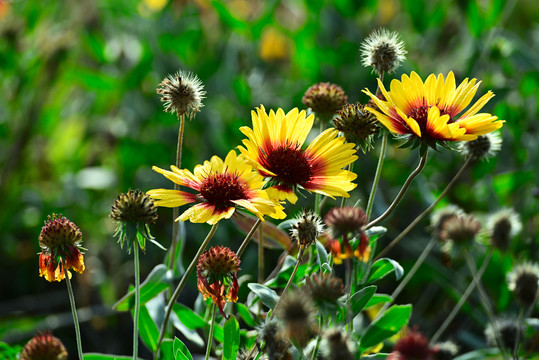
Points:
(231, 342)
(378, 299)
(166, 350)
(383, 267)
(188, 317)
(389, 323)
(181, 352)
(98, 356)
(266, 295)
(360, 299)
(379, 356)
(158, 280)
(321, 254)
(148, 331)
(245, 314)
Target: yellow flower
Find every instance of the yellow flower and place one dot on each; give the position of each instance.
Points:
(275, 147)
(220, 187)
(428, 113)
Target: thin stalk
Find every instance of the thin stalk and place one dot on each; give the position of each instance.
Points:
(74, 313)
(260, 262)
(300, 254)
(463, 298)
(176, 210)
(248, 237)
(212, 327)
(402, 191)
(318, 338)
(350, 168)
(137, 300)
(348, 269)
(427, 210)
(182, 283)
(517, 336)
(377, 175)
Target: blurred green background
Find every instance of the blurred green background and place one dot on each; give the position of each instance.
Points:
(80, 122)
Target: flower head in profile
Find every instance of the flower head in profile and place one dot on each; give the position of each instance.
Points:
(357, 125)
(507, 328)
(523, 281)
(44, 346)
(336, 345)
(482, 148)
(307, 228)
(60, 241)
(134, 211)
(297, 312)
(216, 276)
(503, 226)
(182, 93)
(413, 346)
(429, 113)
(325, 289)
(324, 99)
(220, 186)
(344, 224)
(383, 51)
(275, 147)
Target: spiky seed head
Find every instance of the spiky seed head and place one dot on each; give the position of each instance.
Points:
(507, 328)
(307, 228)
(439, 217)
(345, 221)
(482, 148)
(218, 261)
(324, 288)
(336, 345)
(357, 125)
(461, 230)
(44, 346)
(503, 226)
(324, 99)
(383, 51)
(275, 345)
(182, 93)
(297, 313)
(523, 281)
(59, 231)
(134, 206)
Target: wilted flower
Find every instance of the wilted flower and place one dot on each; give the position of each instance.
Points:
(523, 281)
(346, 223)
(44, 346)
(383, 51)
(307, 228)
(484, 147)
(427, 113)
(342, 250)
(357, 125)
(217, 276)
(413, 346)
(324, 99)
(503, 226)
(275, 148)
(221, 186)
(182, 93)
(444, 351)
(298, 313)
(336, 345)
(134, 211)
(60, 241)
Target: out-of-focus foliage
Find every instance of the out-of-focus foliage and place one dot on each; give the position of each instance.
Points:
(80, 122)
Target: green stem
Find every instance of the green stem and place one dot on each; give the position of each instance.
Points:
(463, 299)
(402, 191)
(176, 210)
(348, 287)
(300, 254)
(517, 336)
(377, 175)
(260, 262)
(74, 313)
(427, 210)
(137, 301)
(180, 286)
(210, 336)
(248, 237)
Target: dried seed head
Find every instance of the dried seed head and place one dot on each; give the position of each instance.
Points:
(413, 345)
(324, 288)
(44, 346)
(324, 99)
(345, 221)
(507, 328)
(460, 229)
(307, 228)
(59, 231)
(439, 217)
(135, 206)
(523, 281)
(503, 226)
(445, 351)
(182, 93)
(383, 51)
(297, 313)
(335, 345)
(276, 347)
(357, 125)
(484, 147)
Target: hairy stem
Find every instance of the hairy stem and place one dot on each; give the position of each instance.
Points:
(74, 313)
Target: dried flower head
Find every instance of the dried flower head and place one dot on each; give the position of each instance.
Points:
(134, 211)
(60, 241)
(503, 226)
(523, 281)
(383, 51)
(357, 125)
(460, 229)
(484, 147)
(507, 328)
(336, 345)
(307, 228)
(324, 99)
(44, 346)
(446, 350)
(297, 313)
(413, 346)
(275, 345)
(182, 93)
(324, 288)
(346, 223)
(217, 275)
(439, 217)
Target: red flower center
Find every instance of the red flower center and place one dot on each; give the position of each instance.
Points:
(220, 189)
(290, 164)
